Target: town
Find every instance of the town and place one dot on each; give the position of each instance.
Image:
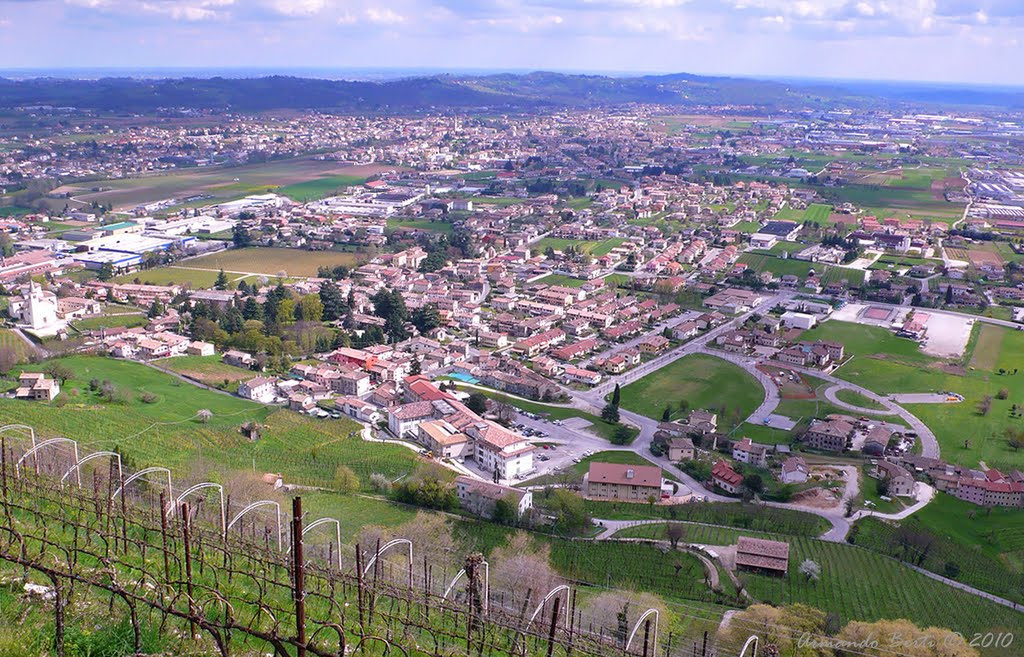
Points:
(775, 342)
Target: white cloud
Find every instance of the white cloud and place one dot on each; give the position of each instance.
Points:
(981, 17)
(383, 16)
(299, 7)
(192, 12)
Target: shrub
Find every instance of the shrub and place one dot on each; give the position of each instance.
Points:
(148, 398)
(380, 483)
(1003, 393)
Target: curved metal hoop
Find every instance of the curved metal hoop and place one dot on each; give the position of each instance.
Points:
(640, 620)
(143, 473)
(202, 486)
(317, 523)
(552, 593)
(39, 446)
(85, 459)
(752, 640)
(257, 505)
(462, 573)
(384, 548)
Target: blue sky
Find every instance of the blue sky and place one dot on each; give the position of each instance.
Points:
(948, 40)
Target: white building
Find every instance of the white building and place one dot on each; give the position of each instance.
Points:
(804, 321)
(259, 389)
(37, 311)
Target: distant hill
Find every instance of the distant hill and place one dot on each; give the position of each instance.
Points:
(501, 91)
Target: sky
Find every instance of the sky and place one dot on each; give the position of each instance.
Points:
(976, 41)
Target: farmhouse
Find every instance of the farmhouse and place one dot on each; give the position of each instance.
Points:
(794, 470)
(762, 555)
(900, 482)
(747, 451)
(260, 389)
(680, 449)
(35, 385)
(615, 481)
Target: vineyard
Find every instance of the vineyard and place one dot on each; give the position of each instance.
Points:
(119, 558)
(855, 583)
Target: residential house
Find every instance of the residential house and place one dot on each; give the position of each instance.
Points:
(36, 386)
(615, 481)
(260, 389)
(680, 449)
(828, 435)
(749, 452)
(479, 497)
(899, 481)
(725, 477)
(762, 555)
(794, 470)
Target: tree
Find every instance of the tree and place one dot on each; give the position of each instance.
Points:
(952, 569)
(753, 483)
(674, 531)
(9, 358)
(252, 310)
(240, 236)
(345, 480)
(106, 272)
(222, 281)
(285, 311)
(426, 318)
(204, 415)
(913, 640)
(390, 306)
(622, 435)
(666, 414)
(60, 371)
(569, 511)
(610, 413)
(330, 298)
(810, 570)
(155, 309)
(1014, 438)
(477, 403)
(310, 309)
(985, 405)
(683, 406)
(616, 395)
(949, 295)
(506, 511)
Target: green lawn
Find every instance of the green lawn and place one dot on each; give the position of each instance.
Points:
(562, 280)
(192, 278)
(208, 369)
(312, 190)
(594, 248)
(862, 340)
(761, 262)
(166, 432)
(704, 382)
(886, 364)
(857, 399)
(111, 321)
(422, 224)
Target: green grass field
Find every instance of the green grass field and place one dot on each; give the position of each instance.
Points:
(318, 188)
(422, 224)
(594, 248)
(193, 278)
(166, 432)
(270, 261)
(760, 262)
(207, 369)
(110, 321)
(221, 183)
(704, 382)
(886, 364)
(562, 280)
(857, 399)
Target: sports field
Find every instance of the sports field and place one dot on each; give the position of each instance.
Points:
(593, 248)
(271, 261)
(704, 382)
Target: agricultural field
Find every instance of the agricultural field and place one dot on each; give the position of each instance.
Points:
(271, 261)
(596, 249)
(216, 184)
(704, 382)
(196, 279)
(318, 188)
(760, 262)
(421, 224)
(995, 362)
(11, 341)
(984, 546)
(209, 370)
(816, 213)
(856, 583)
(165, 430)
